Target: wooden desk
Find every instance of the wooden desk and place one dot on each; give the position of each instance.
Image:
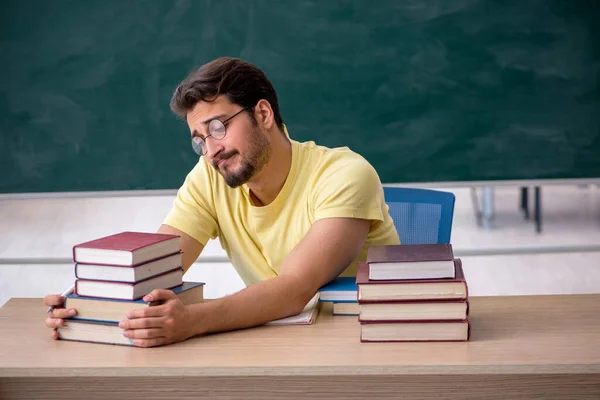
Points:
(522, 347)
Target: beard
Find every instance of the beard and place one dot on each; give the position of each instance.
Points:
(259, 154)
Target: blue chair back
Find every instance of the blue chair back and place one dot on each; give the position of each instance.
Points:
(421, 216)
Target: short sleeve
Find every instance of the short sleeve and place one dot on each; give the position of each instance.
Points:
(193, 210)
(348, 187)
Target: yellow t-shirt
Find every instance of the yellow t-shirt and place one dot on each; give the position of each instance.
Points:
(322, 183)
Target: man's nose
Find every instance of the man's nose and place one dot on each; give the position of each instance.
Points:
(213, 147)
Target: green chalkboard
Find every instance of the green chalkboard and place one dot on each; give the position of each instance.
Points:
(460, 90)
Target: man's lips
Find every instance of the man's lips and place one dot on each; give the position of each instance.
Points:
(221, 160)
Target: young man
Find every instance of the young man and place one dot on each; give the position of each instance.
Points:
(291, 216)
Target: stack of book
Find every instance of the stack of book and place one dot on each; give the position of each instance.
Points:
(113, 274)
(342, 294)
(412, 293)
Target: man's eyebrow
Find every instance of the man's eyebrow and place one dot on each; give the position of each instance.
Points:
(206, 122)
(195, 133)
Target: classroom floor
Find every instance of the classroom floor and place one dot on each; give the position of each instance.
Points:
(46, 230)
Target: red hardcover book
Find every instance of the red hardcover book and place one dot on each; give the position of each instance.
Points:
(415, 331)
(128, 291)
(410, 261)
(126, 249)
(411, 290)
(429, 310)
(128, 273)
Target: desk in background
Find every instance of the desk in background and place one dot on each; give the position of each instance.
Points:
(522, 347)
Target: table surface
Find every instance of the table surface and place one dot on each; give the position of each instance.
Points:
(558, 334)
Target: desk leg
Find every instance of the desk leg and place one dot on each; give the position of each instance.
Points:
(487, 206)
(525, 202)
(538, 209)
(475, 203)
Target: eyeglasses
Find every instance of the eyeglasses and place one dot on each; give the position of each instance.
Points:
(216, 130)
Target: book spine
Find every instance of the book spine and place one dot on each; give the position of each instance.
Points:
(430, 321)
(410, 341)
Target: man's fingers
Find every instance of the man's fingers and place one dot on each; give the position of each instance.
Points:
(62, 313)
(56, 316)
(158, 341)
(143, 333)
(53, 300)
(54, 322)
(148, 312)
(142, 323)
(160, 295)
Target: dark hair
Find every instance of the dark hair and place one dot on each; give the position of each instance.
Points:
(241, 82)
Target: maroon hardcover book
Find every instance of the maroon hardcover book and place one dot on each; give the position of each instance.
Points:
(410, 253)
(126, 249)
(411, 289)
(415, 331)
(440, 306)
(126, 290)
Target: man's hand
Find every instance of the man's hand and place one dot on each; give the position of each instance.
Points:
(56, 316)
(167, 323)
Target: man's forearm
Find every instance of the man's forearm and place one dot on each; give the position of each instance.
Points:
(257, 304)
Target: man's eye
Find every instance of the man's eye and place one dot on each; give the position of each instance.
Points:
(219, 129)
(216, 126)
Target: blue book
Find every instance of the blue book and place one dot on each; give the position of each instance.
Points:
(342, 289)
(113, 310)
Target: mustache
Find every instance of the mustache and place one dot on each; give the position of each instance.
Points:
(223, 156)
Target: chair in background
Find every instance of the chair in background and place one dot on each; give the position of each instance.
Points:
(421, 216)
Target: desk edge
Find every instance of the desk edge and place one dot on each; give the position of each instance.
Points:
(525, 369)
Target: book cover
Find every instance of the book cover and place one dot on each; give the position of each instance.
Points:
(410, 253)
(341, 289)
(126, 248)
(114, 310)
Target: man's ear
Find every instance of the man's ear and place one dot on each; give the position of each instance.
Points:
(264, 114)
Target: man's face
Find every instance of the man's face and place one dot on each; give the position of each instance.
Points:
(244, 150)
